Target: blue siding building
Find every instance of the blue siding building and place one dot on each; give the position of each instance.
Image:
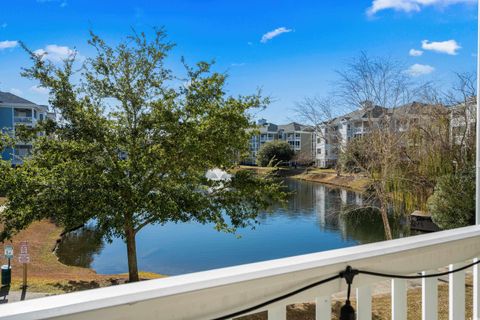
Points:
(15, 111)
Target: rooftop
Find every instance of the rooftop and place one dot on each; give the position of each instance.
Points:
(10, 98)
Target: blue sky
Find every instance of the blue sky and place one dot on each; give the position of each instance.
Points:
(290, 49)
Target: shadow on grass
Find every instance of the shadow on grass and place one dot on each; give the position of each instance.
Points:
(72, 286)
(80, 285)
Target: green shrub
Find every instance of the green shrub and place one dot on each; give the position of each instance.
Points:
(274, 153)
(453, 202)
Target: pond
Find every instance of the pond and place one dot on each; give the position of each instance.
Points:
(311, 222)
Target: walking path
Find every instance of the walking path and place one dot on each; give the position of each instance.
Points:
(7, 296)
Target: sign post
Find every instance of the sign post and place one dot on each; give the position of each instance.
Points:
(24, 259)
(6, 269)
(8, 252)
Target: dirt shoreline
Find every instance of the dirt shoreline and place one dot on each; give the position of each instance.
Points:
(353, 182)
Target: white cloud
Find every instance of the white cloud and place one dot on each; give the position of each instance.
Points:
(411, 5)
(417, 70)
(16, 91)
(274, 33)
(39, 90)
(415, 52)
(449, 47)
(55, 53)
(8, 44)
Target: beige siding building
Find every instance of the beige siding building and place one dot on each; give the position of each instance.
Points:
(301, 139)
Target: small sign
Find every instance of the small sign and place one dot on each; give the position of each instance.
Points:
(23, 258)
(8, 251)
(24, 247)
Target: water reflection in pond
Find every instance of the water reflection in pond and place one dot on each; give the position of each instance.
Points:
(311, 222)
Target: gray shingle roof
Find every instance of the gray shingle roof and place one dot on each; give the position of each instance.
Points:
(7, 97)
(294, 126)
(418, 108)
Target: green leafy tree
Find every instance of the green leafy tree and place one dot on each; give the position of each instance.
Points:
(134, 145)
(453, 202)
(274, 153)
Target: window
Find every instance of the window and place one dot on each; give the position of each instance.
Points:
(319, 151)
(22, 151)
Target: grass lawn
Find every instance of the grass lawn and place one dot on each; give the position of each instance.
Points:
(325, 176)
(47, 274)
(329, 176)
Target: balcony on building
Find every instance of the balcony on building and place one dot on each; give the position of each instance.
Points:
(24, 116)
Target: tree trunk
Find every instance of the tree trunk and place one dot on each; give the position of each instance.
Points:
(131, 253)
(386, 223)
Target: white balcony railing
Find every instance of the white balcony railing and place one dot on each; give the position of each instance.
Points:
(23, 120)
(214, 293)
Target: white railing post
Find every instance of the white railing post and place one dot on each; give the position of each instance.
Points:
(323, 308)
(399, 299)
(456, 293)
(364, 303)
(476, 280)
(476, 295)
(277, 312)
(477, 160)
(429, 298)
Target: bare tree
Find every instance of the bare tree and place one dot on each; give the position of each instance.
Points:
(379, 80)
(319, 113)
(462, 99)
(377, 86)
(315, 110)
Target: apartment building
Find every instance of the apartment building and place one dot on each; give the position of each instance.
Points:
(332, 136)
(463, 120)
(16, 111)
(300, 137)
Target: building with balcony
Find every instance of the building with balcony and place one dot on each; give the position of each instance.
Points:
(334, 135)
(300, 137)
(16, 111)
(463, 121)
